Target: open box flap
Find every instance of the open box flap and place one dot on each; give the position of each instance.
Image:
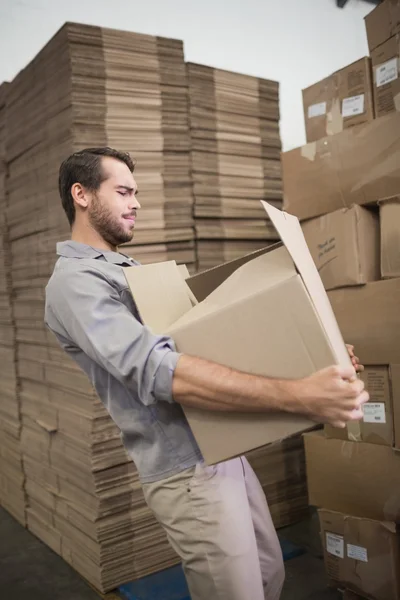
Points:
(161, 294)
(289, 229)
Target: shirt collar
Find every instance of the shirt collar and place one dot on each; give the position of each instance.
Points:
(70, 249)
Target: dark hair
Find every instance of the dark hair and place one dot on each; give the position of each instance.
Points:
(84, 167)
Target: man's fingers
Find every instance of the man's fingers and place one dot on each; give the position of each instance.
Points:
(357, 386)
(357, 415)
(364, 397)
(347, 373)
(338, 424)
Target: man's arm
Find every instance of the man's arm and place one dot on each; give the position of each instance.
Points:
(85, 309)
(331, 395)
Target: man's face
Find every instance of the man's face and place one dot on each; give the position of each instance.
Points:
(112, 209)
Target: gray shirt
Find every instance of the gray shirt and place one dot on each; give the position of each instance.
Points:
(90, 309)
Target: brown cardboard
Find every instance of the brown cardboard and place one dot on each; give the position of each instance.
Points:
(395, 382)
(377, 426)
(361, 554)
(264, 318)
(357, 166)
(382, 23)
(386, 76)
(345, 246)
(340, 101)
(390, 237)
(359, 479)
(369, 318)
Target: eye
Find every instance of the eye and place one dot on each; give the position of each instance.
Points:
(123, 193)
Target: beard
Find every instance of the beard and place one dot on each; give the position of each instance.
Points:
(101, 219)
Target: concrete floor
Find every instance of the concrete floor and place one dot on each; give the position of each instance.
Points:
(29, 570)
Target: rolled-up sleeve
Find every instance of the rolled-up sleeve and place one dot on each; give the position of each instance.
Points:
(85, 308)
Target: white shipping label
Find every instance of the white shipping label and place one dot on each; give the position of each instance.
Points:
(386, 72)
(353, 106)
(317, 110)
(357, 552)
(335, 545)
(374, 412)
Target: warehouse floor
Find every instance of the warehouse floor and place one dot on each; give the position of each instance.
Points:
(29, 570)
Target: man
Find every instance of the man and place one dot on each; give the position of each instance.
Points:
(216, 518)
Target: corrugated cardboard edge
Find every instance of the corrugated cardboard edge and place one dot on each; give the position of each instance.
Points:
(156, 285)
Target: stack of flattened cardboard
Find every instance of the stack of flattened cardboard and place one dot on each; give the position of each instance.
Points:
(12, 496)
(83, 495)
(146, 99)
(345, 188)
(234, 125)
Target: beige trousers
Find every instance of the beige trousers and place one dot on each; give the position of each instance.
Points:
(218, 522)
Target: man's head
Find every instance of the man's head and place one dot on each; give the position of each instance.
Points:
(98, 190)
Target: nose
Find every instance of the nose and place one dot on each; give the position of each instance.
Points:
(134, 203)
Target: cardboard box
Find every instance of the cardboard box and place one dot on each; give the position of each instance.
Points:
(390, 237)
(345, 246)
(354, 478)
(361, 554)
(382, 23)
(377, 426)
(261, 317)
(386, 72)
(342, 100)
(369, 318)
(357, 166)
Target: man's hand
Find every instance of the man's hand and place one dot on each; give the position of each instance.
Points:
(332, 395)
(354, 359)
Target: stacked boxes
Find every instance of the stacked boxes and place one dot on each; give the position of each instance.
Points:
(234, 125)
(357, 166)
(83, 495)
(12, 495)
(345, 188)
(362, 554)
(383, 32)
(342, 100)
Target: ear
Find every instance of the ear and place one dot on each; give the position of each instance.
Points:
(79, 194)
